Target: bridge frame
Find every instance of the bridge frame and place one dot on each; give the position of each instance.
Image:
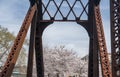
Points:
(38, 26)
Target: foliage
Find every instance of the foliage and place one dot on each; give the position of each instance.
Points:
(63, 61)
(6, 42)
(6, 39)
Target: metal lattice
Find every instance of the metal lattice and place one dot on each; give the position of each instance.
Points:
(115, 37)
(64, 10)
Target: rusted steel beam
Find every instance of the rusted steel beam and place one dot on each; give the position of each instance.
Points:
(105, 64)
(13, 55)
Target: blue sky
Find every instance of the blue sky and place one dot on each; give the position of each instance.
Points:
(72, 35)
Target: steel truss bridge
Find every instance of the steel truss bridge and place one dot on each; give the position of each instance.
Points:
(84, 12)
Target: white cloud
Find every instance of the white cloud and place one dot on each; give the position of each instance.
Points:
(12, 13)
(72, 35)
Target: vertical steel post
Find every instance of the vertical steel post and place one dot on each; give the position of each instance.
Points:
(39, 48)
(93, 69)
(93, 64)
(38, 42)
(39, 52)
(31, 47)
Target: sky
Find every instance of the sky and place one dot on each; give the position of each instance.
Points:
(70, 34)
